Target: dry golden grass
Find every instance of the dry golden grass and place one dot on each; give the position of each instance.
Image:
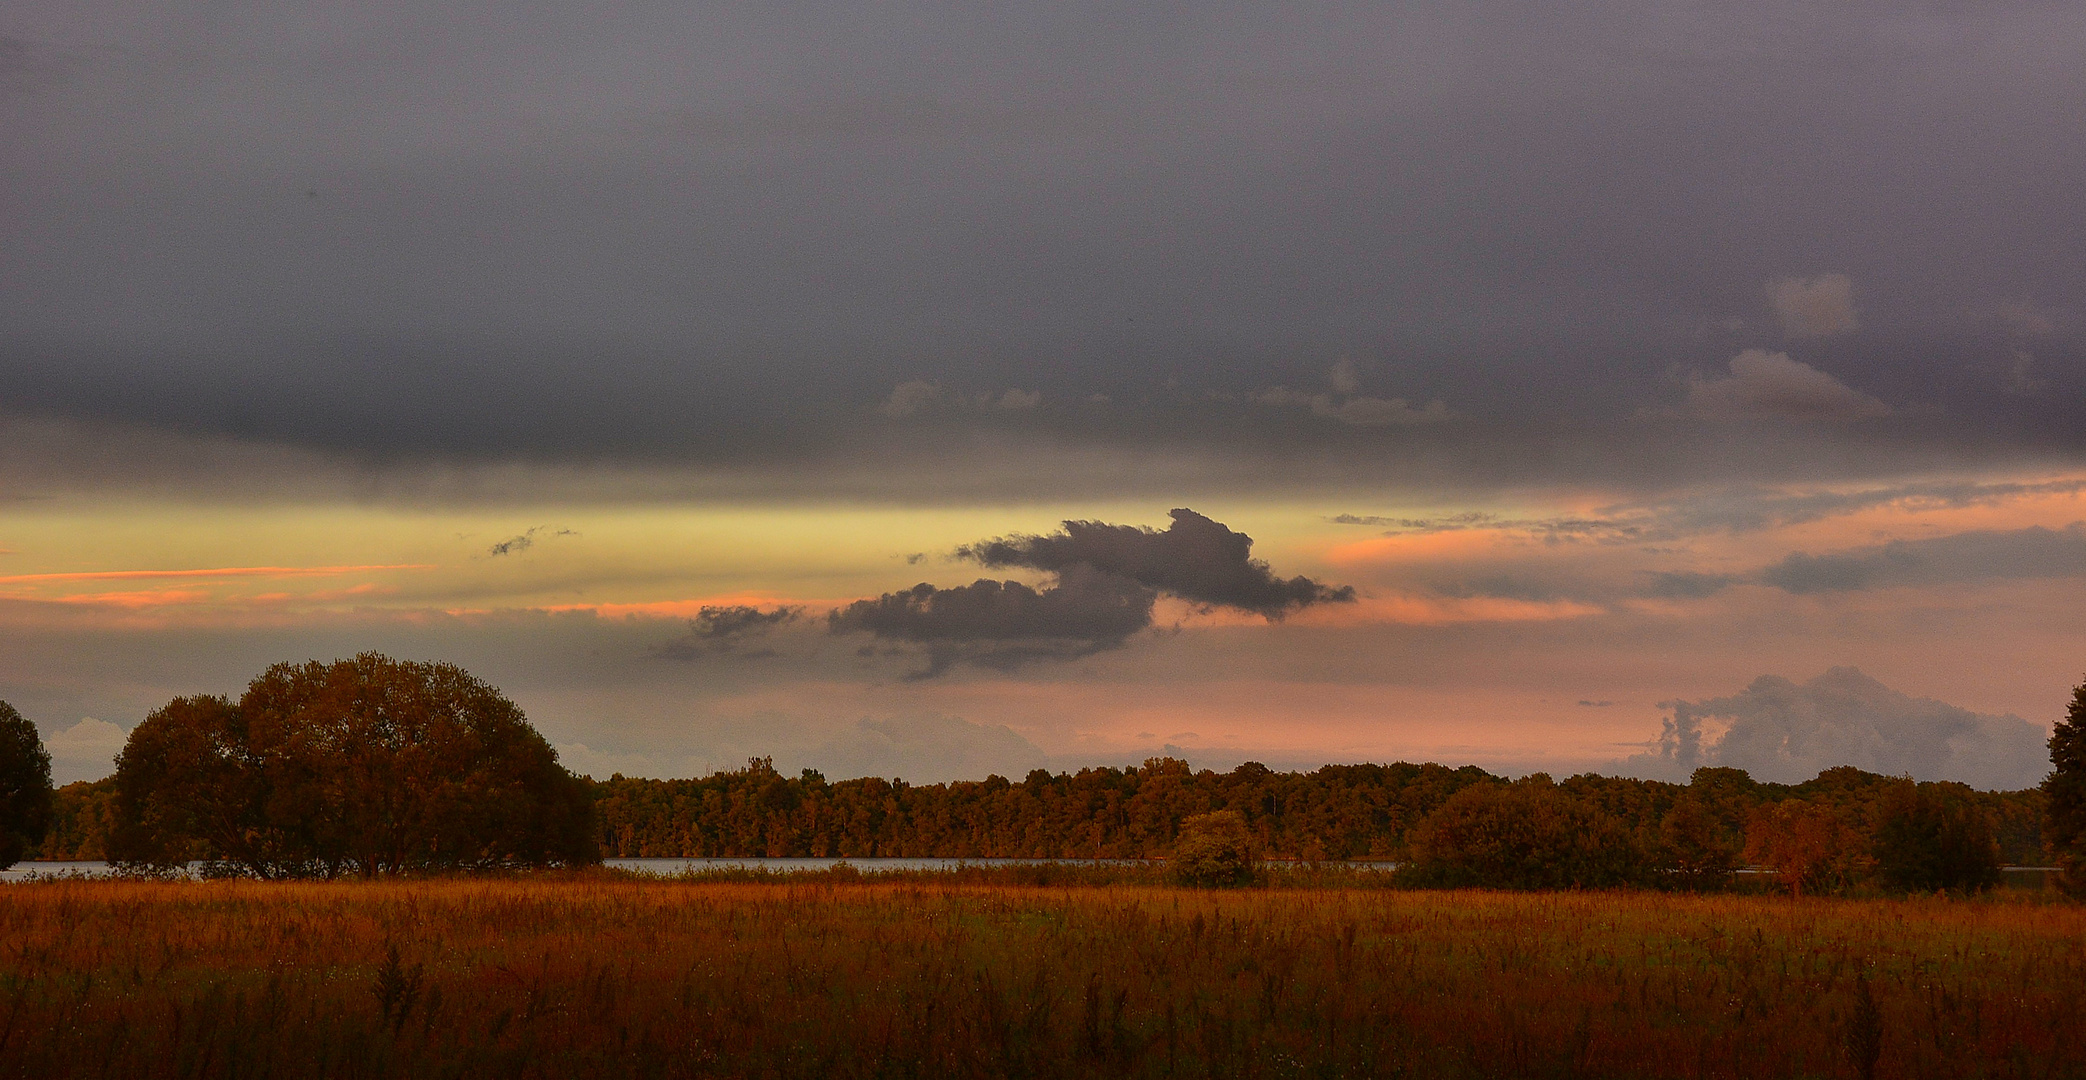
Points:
(602, 975)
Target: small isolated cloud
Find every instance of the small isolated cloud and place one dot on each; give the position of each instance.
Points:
(1347, 405)
(1765, 384)
(517, 544)
(85, 751)
(1005, 624)
(917, 396)
(1814, 307)
(1195, 558)
(910, 398)
(1786, 732)
(718, 630)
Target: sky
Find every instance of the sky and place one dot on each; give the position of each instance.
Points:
(934, 390)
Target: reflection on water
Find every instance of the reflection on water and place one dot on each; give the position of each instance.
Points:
(2015, 877)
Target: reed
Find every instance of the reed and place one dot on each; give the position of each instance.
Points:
(600, 974)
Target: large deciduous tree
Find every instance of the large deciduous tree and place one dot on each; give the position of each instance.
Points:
(2064, 831)
(370, 764)
(25, 786)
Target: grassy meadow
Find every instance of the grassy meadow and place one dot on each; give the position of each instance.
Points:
(604, 974)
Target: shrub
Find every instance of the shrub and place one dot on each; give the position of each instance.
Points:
(1524, 835)
(1215, 850)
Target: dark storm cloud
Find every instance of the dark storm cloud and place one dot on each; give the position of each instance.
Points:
(724, 235)
(1106, 580)
(720, 630)
(1004, 624)
(1195, 559)
(1789, 732)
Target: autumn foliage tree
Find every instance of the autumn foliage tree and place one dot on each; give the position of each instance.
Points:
(25, 786)
(1214, 850)
(1806, 844)
(371, 764)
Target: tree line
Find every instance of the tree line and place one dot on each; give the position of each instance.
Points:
(373, 765)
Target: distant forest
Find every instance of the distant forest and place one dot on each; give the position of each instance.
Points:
(1336, 812)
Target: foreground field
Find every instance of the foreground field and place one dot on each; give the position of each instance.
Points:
(606, 976)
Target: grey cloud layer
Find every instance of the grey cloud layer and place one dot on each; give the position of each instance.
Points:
(722, 234)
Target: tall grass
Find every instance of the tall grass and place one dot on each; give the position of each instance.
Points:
(607, 975)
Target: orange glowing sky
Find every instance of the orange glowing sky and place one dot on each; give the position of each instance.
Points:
(1499, 640)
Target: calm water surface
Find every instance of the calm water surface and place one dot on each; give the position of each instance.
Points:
(25, 871)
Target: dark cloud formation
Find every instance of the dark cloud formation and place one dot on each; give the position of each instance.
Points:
(1195, 558)
(1106, 579)
(1004, 624)
(727, 234)
(719, 630)
(1787, 732)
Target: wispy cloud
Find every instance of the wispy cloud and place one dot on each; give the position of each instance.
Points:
(219, 572)
(524, 541)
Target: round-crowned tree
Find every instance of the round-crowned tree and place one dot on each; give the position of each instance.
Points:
(2064, 828)
(370, 764)
(25, 786)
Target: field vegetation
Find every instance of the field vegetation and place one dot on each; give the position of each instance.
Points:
(838, 975)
